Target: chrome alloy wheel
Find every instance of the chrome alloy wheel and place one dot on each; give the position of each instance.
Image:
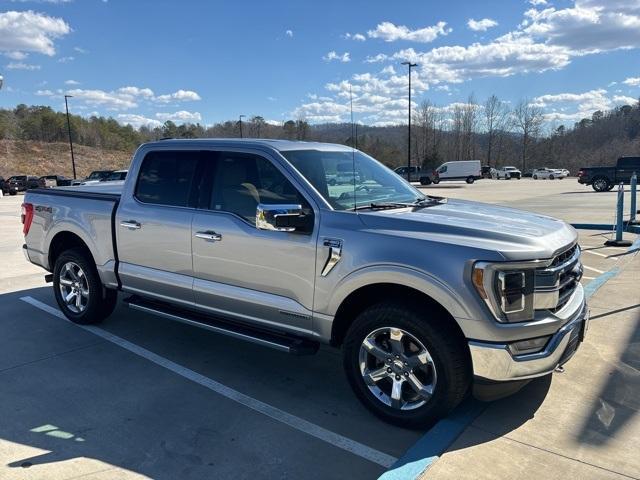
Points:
(74, 287)
(600, 184)
(397, 368)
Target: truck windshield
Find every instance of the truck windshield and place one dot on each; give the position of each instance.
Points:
(332, 173)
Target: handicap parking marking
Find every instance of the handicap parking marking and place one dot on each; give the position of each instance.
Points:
(274, 413)
(593, 269)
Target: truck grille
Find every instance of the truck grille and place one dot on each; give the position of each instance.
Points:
(556, 283)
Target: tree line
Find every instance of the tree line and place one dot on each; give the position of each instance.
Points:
(491, 131)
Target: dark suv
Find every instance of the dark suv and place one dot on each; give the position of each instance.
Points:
(21, 183)
(4, 186)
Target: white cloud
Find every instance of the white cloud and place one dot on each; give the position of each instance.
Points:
(66, 59)
(136, 92)
(538, 2)
(381, 57)
(22, 66)
(390, 32)
(182, 116)
(109, 100)
(624, 100)
(332, 55)
(16, 55)
(71, 82)
(632, 81)
(289, 33)
(272, 99)
(481, 25)
(138, 121)
(358, 37)
(80, 50)
(30, 32)
(180, 95)
(44, 93)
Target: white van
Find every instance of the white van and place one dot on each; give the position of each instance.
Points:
(468, 170)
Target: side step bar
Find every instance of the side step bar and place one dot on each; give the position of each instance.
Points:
(281, 342)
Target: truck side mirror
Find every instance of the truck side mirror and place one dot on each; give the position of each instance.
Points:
(279, 217)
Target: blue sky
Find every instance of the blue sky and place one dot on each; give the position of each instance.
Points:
(144, 62)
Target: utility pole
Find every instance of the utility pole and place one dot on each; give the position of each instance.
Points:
(73, 160)
(241, 124)
(410, 65)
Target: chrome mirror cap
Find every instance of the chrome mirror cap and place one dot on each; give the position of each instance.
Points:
(277, 217)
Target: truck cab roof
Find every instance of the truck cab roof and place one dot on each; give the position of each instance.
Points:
(276, 144)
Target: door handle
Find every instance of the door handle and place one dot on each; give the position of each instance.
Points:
(131, 225)
(209, 235)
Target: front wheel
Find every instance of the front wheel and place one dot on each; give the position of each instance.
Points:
(436, 181)
(551, 177)
(601, 184)
(407, 369)
(470, 180)
(425, 181)
(78, 289)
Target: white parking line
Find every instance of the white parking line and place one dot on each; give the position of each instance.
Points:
(298, 423)
(598, 254)
(587, 278)
(592, 269)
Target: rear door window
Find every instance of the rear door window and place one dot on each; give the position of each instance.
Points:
(167, 177)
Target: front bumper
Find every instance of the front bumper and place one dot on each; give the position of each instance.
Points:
(494, 362)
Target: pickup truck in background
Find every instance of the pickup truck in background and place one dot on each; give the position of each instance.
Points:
(428, 298)
(603, 179)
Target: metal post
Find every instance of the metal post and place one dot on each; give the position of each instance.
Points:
(73, 160)
(241, 124)
(633, 211)
(619, 242)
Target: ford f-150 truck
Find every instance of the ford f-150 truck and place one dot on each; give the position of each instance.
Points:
(603, 179)
(429, 298)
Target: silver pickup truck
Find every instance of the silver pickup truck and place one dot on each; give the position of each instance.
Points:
(430, 299)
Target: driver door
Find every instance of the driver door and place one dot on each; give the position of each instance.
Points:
(257, 276)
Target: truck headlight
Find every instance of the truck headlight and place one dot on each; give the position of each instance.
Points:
(507, 289)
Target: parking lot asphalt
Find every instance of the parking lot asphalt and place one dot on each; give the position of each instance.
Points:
(141, 396)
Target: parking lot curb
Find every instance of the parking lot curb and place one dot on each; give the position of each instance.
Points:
(434, 443)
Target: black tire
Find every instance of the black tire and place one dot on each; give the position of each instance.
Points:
(470, 180)
(13, 193)
(425, 181)
(436, 181)
(101, 301)
(551, 177)
(601, 184)
(535, 177)
(443, 343)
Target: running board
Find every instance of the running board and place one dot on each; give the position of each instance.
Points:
(281, 342)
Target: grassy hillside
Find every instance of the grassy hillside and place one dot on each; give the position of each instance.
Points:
(18, 157)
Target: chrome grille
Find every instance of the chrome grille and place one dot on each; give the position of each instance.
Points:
(556, 283)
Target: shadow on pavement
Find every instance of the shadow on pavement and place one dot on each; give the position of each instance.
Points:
(619, 399)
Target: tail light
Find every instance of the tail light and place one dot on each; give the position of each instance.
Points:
(581, 173)
(26, 217)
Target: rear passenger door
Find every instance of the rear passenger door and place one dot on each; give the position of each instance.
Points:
(256, 276)
(153, 226)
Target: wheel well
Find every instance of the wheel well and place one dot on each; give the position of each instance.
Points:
(64, 241)
(369, 295)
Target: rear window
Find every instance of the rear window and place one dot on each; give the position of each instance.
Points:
(166, 177)
(629, 162)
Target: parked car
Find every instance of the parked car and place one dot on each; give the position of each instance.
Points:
(4, 186)
(96, 175)
(485, 171)
(548, 173)
(506, 173)
(56, 180)
(602, 179)
(415, 175)
(527, 173)
(22, 183)
(468, 170)
(251, 242)
(116, 176)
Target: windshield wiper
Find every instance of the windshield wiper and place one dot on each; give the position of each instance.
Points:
(429, 201)
(383, 206)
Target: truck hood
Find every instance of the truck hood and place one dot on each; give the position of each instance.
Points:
(515, 234)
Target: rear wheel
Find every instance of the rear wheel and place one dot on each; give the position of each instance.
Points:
(78, 289)
(405, 368)
(535, 177)
(601, 184)
(436, 181)
(425, 181)
(551, 177)
(470, 180)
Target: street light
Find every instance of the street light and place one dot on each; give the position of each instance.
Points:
(1, 81)
(73, 160)
(410, 65)
(241, 116)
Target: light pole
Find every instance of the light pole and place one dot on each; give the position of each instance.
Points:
(1, 80)
(410, 65)
(73, 160)
(241, 116)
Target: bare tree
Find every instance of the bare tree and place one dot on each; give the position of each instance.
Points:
(496, 115)
(469, 127)
(528, 119)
